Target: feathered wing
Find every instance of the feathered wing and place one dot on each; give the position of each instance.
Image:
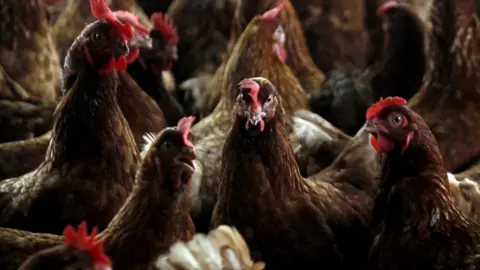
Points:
(223, 248)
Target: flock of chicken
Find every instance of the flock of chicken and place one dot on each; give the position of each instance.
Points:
(256, 159)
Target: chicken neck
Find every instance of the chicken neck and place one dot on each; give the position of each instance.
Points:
(259, 164)
(147, 221)
(91, 132)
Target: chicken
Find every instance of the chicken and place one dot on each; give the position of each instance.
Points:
(295, 52)
(448, 101)
(29, 71)
(315, 222)
(253, 55)
(79, 251)
(346, 95)
(417, 223)
(335, 31)
(77, 13)
(153, 217)
(222, 248)
(91, 160)
(147, 71)
(149, 117)
(141, 112)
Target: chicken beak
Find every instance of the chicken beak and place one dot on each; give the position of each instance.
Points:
(255, 118)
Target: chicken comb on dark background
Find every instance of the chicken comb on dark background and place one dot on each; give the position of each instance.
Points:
(254, 88)
(184, 126)
(102, 12)
(273, 13)
(383, 103)
(386, 6)
(132, 19)
(163, 24)
(82, 241)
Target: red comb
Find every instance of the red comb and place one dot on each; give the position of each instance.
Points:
(386, 6)
(132, 19)
(254, 88)
(378, 107)
(273, 13)
(184, 126)
(163, 24)
(102, 12)
(82, 241)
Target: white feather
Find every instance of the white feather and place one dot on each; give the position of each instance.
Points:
(148, 139)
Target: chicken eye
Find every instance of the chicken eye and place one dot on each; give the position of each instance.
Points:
(396, 119)
(166, 146)
(97, 36)
(269, 99)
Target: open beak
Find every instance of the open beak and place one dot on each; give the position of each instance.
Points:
(185, 159)
(255, 118)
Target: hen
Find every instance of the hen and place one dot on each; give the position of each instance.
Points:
(153, 217)
(417, 222)
(79, 251)
(346, 94)
(295, 50)
(449, 99)
(29, 71)
(147, 70)
(316, 222)
(91, 160)
(141, 112)
(254, 54)
(222, 248)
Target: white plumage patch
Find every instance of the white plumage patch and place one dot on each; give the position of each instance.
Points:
(148, 139)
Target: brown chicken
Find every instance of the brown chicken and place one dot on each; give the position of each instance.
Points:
(296, 53)
(147, 117)
(449, 100)
(153, 217)
(254, 55)
(91, 161)
(315, 222)
(347, 94)
(417, 222)
(79, 251)
(29, 71)
(147, 70)
(77, 13)
(222, 248)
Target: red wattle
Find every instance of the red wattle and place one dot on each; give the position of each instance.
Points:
(121, 63)
(133, 55)
(374, 143)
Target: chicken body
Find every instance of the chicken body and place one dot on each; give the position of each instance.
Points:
(153, 217)
(316, 221)
(91, 161)
(417, 222)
